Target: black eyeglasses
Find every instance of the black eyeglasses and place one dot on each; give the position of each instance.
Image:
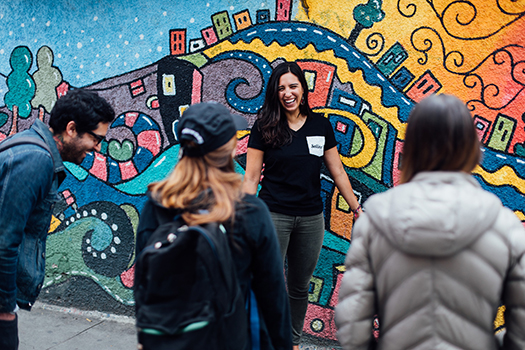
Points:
(98, 138)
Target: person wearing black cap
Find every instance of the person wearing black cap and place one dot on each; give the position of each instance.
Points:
(203, 187)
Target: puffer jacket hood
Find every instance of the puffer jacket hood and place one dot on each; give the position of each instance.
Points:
(436, 214)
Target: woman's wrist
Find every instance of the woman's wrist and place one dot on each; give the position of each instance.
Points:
(356, 210)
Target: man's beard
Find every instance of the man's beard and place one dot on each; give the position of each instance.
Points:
(73, 151)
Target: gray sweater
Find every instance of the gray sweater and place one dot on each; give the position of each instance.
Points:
(434, 259)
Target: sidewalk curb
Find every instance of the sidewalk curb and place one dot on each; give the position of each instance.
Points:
(87, 314)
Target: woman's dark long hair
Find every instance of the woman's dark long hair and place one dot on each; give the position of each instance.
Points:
(440, 136)
(271, 118)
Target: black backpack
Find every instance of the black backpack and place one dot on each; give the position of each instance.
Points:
(186, 291)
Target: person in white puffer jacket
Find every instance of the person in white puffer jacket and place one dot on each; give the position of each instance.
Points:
(437, 255)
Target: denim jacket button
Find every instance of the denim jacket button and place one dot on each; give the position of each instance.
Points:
(39, 286)
(44, 255)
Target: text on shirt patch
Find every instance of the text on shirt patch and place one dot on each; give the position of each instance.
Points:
(315, 145)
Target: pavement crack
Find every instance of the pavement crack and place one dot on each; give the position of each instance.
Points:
(76, 335)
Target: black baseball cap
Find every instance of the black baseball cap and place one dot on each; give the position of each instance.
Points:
(210, 125)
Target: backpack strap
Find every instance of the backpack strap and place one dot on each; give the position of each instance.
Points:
(11, 142)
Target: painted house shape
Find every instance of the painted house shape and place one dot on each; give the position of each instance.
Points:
(197, 44)
(179, 83)
(398, 158)
(502, 133)
(222, 25)
(178, 41)
(242, 20)
(283, 10)
(380, 167)
(209, 36)
(346, 101)
(137, 88)
(482, 126)
(402, 78)
(262, 16)
(392, 59)
(425, 86)
(319, 76)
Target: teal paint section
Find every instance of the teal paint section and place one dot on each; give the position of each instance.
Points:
(157, 171)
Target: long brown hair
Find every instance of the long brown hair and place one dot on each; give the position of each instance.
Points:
(271, 118)
(208, 182)
(440, 135)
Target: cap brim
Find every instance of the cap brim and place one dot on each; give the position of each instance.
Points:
(239, 122)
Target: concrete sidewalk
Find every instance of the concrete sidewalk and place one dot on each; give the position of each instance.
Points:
(50, 327)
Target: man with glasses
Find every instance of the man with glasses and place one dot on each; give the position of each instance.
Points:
(29, 178)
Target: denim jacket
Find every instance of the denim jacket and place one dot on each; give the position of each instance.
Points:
(29, 179)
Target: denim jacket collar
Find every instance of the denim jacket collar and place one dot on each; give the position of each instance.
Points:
(43, 130)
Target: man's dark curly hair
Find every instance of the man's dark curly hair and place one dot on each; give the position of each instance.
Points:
(85, 107)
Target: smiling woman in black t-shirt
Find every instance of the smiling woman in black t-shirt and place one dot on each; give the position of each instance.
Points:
(292, 142)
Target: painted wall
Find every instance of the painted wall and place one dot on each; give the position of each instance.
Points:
(367, 64)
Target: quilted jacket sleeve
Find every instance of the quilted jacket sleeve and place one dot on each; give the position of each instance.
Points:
(356, 309)
(514, 288)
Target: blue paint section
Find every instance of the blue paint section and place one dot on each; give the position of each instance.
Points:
(3, 90)
(101, 236)
(92, 189)
(509, 196)
(250, 106)
(493, 160)
(336, 243)
(114, 175)
(81, 33)
(238, 168)
(119, 121)
(328, 259)
(87, 163)
(327, 191)
(343, 138)
(303, 34)
(345, 101)
(76, 171)
(157, 171)
(142, 158)
(388, 157)
(143, 123)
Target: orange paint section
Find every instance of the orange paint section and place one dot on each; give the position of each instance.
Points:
(341, 218)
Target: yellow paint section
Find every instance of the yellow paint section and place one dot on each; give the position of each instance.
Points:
(242, 133)
(520, 215)
(500, 319)
(291, 52)
(416, 25)
(372, 94)
(336, 15)
(502, 177)
(55, 222)
(340, 268)
(342, 204)
(364, 157)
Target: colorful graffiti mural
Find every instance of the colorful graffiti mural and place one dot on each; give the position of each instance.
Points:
(366, 62)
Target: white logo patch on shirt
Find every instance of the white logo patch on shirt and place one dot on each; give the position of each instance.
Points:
(315, 145)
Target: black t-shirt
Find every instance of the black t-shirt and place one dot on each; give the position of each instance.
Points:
(292, 173)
